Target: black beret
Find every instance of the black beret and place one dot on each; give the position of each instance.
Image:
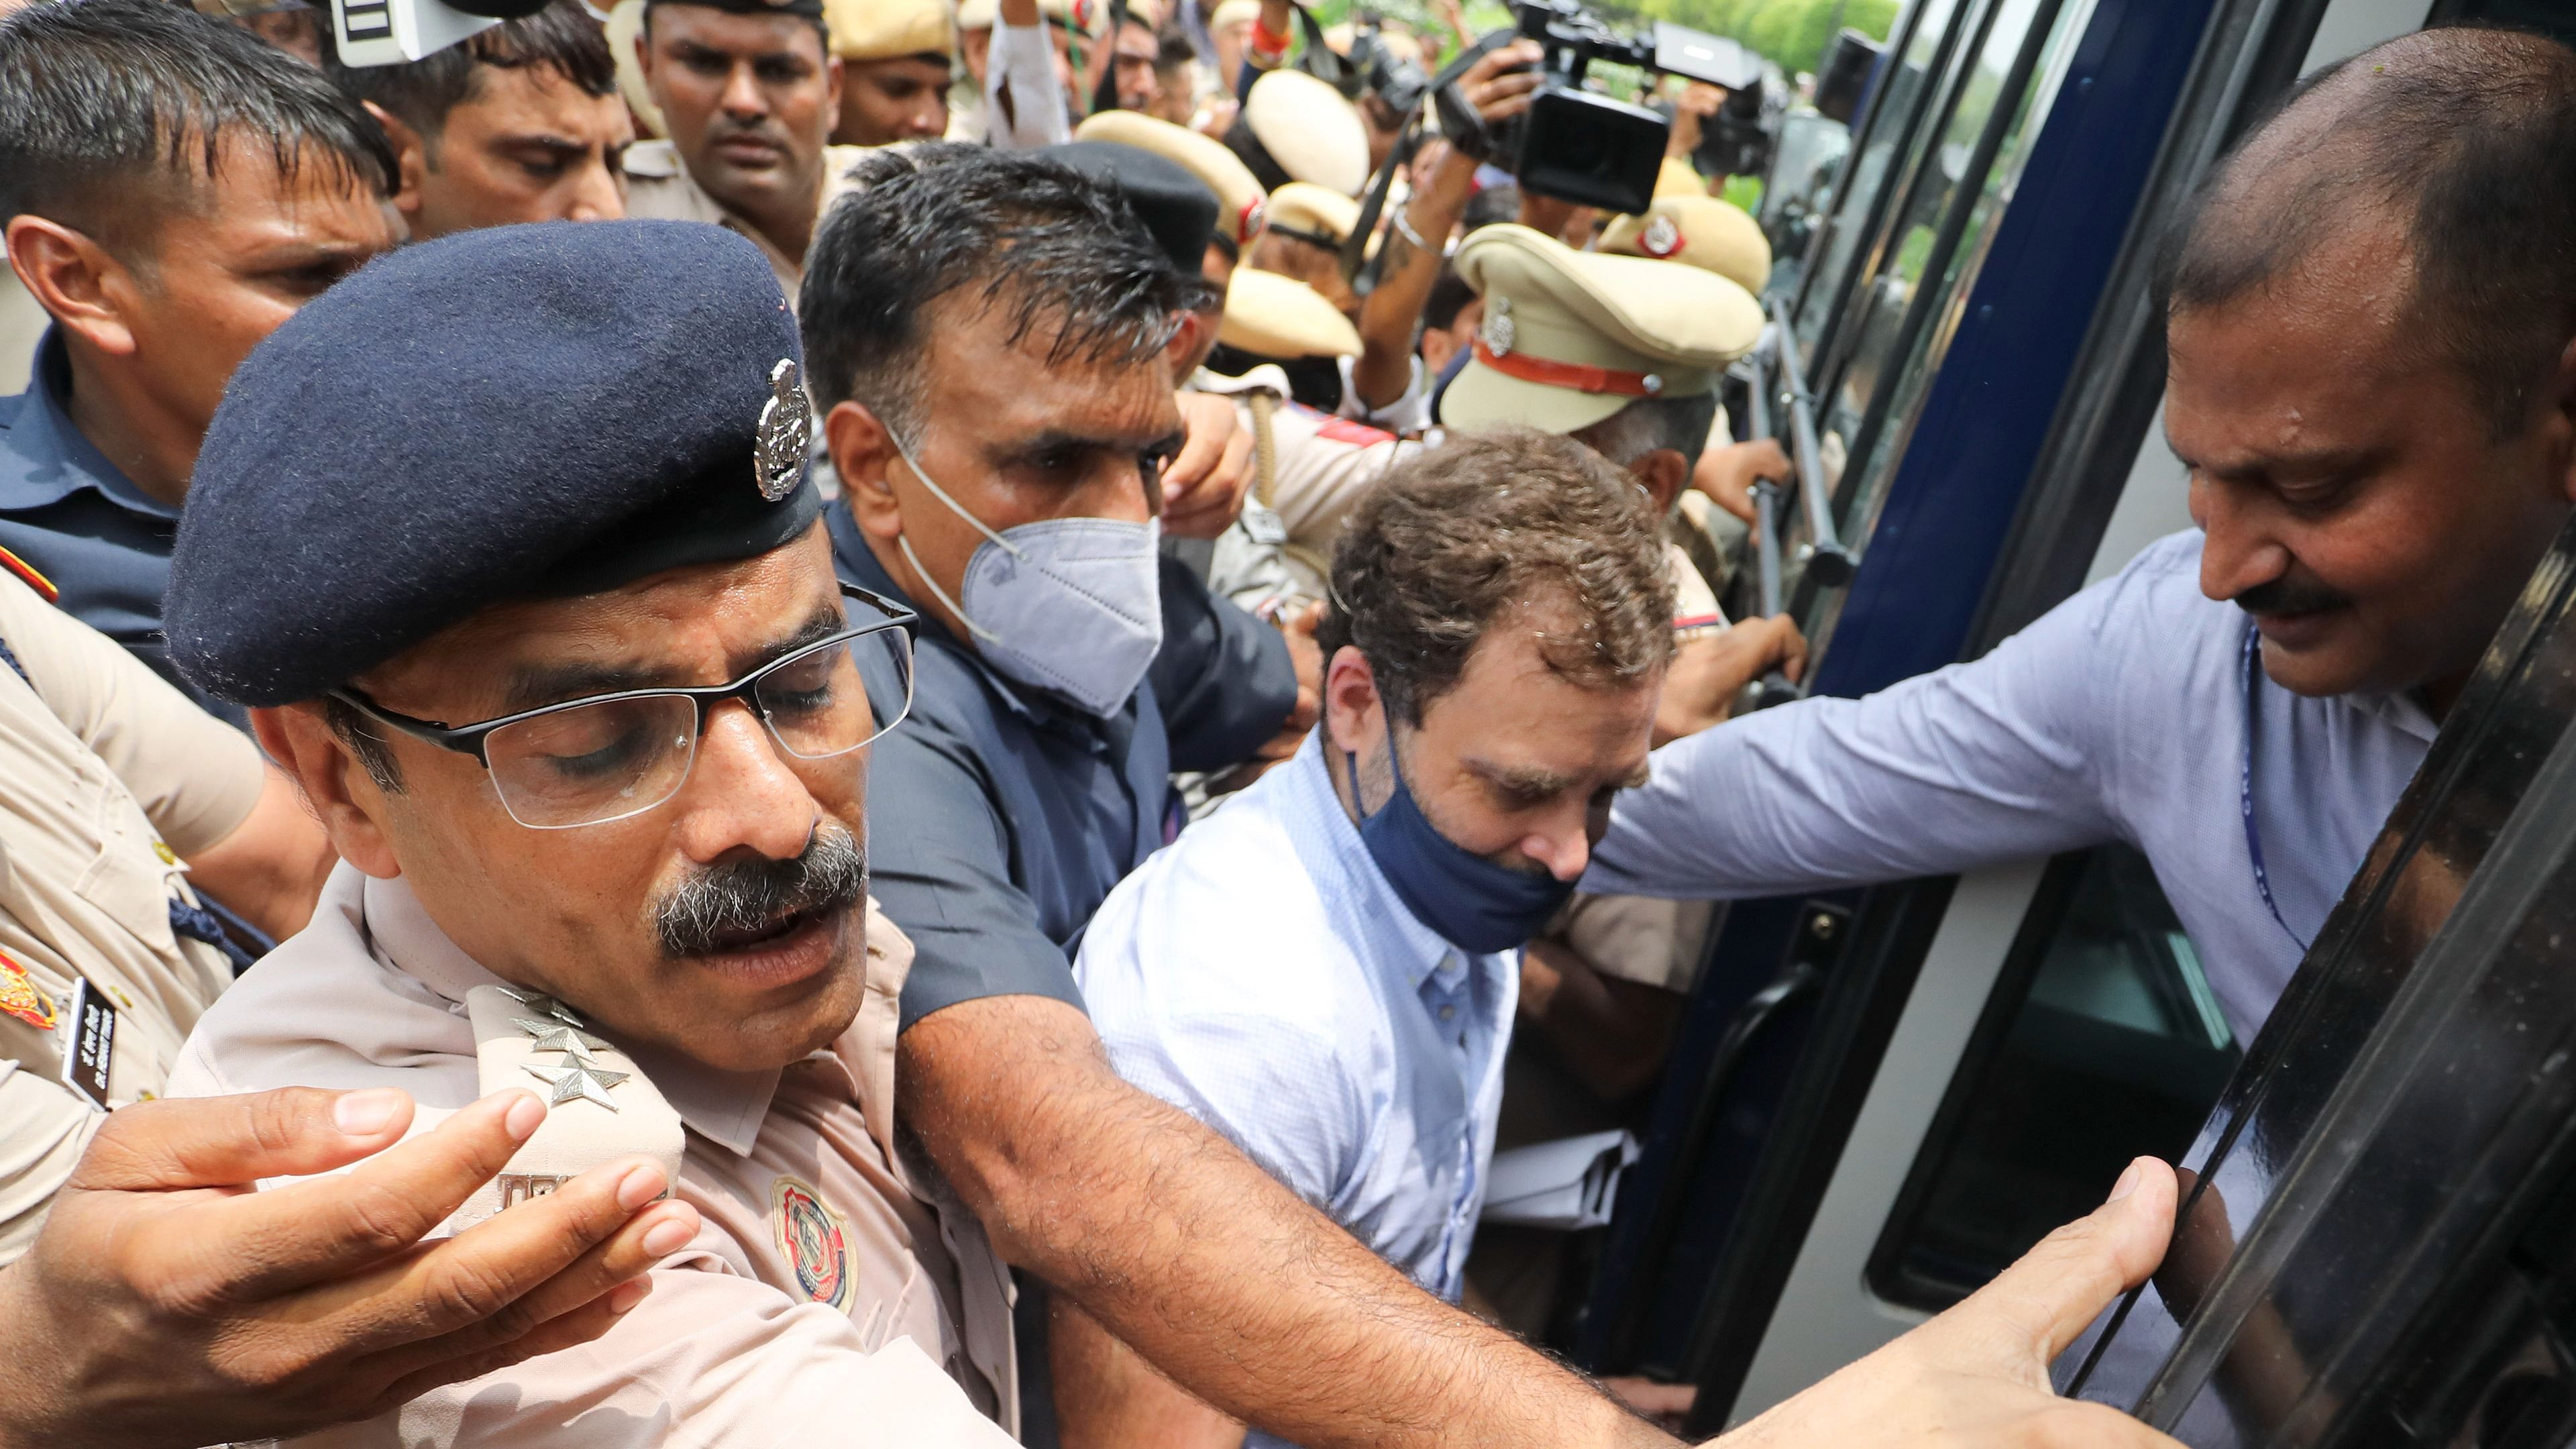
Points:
(518, 412)
(1175, 205)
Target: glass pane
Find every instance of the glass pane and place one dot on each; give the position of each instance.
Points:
(1874, 402)
(2356, 1263)
(2116, 1049)
(1908, 81)
(1806, 175)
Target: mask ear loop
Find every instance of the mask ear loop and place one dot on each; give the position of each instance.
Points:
(903, 541)
(1351, 762)
(941, 494)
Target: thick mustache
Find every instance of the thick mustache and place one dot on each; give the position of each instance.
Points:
(2286, 595)
(761, 131)
(728, 902)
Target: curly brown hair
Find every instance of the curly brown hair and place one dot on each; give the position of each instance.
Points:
(1503, 522)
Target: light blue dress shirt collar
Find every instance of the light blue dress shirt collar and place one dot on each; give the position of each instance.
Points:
(1262, 975)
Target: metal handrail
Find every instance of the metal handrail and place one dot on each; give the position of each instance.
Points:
(1827, 561)
(1774, 687)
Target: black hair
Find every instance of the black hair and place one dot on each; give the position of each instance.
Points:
(1491, 206)
(562, 37)
(1056, 248)
(812, 16)
(2465, 136)
(100, 99)
(1450, 295)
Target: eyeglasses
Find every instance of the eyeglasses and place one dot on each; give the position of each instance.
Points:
(603, 758)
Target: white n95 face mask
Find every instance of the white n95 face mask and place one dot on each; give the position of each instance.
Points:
(1072, 605)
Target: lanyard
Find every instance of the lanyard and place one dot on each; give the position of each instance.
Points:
(2253, 671)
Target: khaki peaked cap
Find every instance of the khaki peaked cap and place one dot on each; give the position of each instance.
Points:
(1240, 204)
(1699, 231)
(1269, 315)
(888, 29)
(1309, 130)
(1569, 337)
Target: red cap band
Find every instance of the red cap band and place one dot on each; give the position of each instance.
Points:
(1569, 374)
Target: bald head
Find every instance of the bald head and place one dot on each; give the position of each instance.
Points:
(2453, 153)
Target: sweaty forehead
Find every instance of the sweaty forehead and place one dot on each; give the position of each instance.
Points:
(988, 345)
(735, 34)
(2332, 329)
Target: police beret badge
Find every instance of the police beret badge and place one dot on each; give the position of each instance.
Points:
(786, 429)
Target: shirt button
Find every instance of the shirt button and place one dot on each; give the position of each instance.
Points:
(1447, 1012)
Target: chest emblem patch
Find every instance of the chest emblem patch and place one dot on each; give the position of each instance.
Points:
(814, 1240)
(22, 998)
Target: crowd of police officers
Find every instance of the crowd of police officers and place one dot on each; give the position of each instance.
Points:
(730, 722)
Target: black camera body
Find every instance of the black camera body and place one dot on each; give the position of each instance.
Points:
(1578, 145)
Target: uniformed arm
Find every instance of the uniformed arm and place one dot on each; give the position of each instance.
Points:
(164, 1304)
(710, 1360)
(270, 868)
(1326, 466)
(1977, 764)
(202, 784)
(1181, 1246)
(1387, 369)
(1224, 679)
(1022, 101)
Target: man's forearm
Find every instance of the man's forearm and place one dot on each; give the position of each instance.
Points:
(1387, 318)
(1106, 1397)
(1184, 1249)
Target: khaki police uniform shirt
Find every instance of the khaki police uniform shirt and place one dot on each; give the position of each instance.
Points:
(832, 1283)
(659, 188)
(1320, 467)
(108, 776)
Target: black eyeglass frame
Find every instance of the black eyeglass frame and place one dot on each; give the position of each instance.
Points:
(469, 739)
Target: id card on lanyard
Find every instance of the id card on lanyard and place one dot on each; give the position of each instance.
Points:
(2253, 671)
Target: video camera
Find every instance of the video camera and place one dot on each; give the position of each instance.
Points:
(1394, 79)
(390, 32)
(1578, 145)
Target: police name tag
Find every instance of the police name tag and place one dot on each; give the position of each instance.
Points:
(90, 1045)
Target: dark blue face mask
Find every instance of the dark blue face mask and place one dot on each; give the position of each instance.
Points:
(1467, 900)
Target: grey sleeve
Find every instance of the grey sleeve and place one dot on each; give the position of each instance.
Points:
(1997, 760)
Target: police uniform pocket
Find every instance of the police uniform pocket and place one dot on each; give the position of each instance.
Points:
(128, 880)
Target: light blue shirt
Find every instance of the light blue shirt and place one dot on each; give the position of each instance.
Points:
(2133, 712)
(1261, 975)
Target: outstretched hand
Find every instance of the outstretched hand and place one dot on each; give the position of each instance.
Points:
(1978, 1374)
(168, 1302)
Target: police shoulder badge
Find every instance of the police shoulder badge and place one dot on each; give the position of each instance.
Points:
(815, 1241)
(22, 998)
(786, 429)
(1661, 237)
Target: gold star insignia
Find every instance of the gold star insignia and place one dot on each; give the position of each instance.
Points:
(578, 1080)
